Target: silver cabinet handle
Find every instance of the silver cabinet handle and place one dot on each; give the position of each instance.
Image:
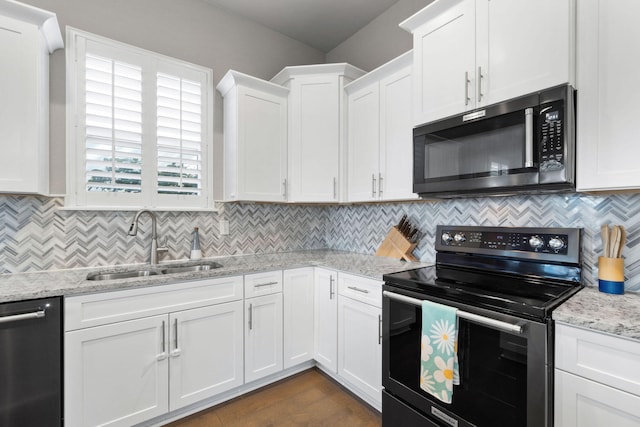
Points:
(175, 337)
(373, 185)
(379, 328)
(353, 288)
(380, 185)
(482, 320)
(466, 88)
(335, 188)
(284, 189)
(163, 355)
(250, 316)
(331, 293)
(259, 285)
(176, 350)
(528, 138)
(479, 83)
(33, 315)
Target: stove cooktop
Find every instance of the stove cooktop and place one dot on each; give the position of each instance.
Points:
(525, 272)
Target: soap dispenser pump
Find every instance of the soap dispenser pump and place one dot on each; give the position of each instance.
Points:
(196, 252)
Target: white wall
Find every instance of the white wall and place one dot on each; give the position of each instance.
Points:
(381, 40)
(190, 30)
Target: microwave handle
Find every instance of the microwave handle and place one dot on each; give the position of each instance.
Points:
(482, 320)
(528, 138)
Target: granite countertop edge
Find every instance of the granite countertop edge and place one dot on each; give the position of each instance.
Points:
(69, 282)
(617, 315)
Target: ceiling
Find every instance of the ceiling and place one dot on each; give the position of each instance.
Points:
(322, 24)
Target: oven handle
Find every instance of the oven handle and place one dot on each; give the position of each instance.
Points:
(487, 321)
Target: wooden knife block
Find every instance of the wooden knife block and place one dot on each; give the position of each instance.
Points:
(395, 245)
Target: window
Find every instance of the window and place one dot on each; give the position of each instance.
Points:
(138, 127)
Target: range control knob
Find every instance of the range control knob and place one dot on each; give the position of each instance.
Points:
(556, 243)
(446, 237)
(536, 242)
(460, 238)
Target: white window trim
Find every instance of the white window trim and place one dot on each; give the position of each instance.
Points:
(76, 197)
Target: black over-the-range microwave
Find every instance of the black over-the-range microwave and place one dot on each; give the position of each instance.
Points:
(524, 145)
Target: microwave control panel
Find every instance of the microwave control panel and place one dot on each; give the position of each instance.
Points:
(551, 137)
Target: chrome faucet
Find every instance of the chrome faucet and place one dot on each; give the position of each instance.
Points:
(133, 230)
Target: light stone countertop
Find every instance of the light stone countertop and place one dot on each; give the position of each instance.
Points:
(25, 286)
(592, 309)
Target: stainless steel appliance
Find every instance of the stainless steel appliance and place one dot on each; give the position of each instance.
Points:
(30, 363)
(505, 283)
(523, 145)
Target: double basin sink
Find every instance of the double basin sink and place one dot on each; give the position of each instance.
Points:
(145, 272)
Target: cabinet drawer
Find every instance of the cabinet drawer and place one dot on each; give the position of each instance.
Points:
(584, 403)
(601, 357)
(85, 311)
(257, 284)
(360, 288)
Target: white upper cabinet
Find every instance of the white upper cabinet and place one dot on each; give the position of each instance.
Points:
(255, 138)
(608, 130)
(380, 143)
(472, 53)
(27, 36)
(317, 134)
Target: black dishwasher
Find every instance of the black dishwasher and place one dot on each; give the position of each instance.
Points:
(30, 363)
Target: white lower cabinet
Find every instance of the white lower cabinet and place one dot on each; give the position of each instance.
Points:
(263, 336)
(119, 373)
(597, 380)
(263, 325)
(360, 335)
(138, 354)
(206, 352)
(325, 334)
(298, 316)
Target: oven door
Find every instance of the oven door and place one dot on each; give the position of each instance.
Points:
(505, 377)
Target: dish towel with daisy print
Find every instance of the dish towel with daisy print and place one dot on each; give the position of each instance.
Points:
(439, 350)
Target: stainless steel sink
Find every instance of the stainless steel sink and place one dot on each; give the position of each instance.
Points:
(179, 268)
(122, 274)
(204, 266)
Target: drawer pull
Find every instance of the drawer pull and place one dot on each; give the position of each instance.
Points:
(259, 285)
(331, 293)
(353, 288)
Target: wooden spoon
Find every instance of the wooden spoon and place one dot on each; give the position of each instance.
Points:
(615, 242)
(604, 232)
(623, 240)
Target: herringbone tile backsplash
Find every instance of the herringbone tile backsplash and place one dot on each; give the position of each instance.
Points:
(35, 234)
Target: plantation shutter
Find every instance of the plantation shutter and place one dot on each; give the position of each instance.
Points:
(179, 135)
(113, 125)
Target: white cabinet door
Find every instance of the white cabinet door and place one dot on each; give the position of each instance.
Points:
(24, 99)
(444, 63)
(607, 113)
(580, 402)
(117, 375)
(314, 140)
(359, 346)
(263, 336)
(262, 145)
(298, 316)
(255, 138)
(363, 142)
(326, 319)
(522, 47)
(206, 352)
(396, 137)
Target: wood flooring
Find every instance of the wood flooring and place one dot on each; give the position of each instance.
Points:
(309, 398)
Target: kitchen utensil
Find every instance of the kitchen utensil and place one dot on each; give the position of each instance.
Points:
(604, 232)
(623, 241)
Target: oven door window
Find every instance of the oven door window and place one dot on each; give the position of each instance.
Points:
(489, 147)
(493, 369)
